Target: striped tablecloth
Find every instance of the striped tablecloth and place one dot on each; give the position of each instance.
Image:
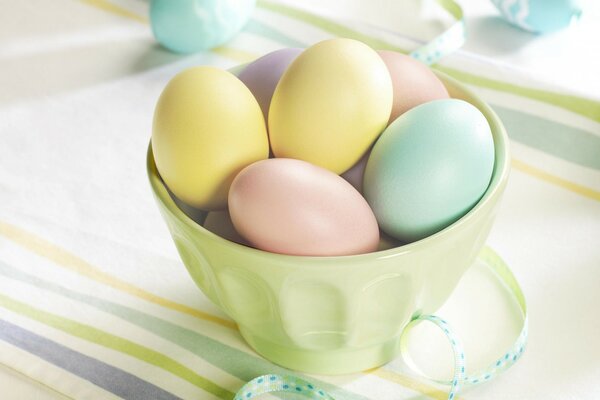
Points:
(94, 302)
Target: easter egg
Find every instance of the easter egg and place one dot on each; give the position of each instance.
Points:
(292, 207)
(330, 105)
(262, 75)
(219, 223)
(207, 127)
(540, 16)
(355, 174)
(413, 82)
(187, 26)
(429, 168)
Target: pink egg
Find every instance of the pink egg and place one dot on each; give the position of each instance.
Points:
(262, 75)
(413, 82)
(292, 207)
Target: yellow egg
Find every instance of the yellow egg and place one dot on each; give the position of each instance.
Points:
(207, 127)
(331, 104)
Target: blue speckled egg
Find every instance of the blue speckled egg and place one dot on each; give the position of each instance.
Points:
(187, 26)
(540, 16)
(429, 168)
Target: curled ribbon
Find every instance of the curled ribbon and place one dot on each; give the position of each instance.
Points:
(276, 383)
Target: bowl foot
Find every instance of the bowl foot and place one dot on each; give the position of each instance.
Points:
(328, 362)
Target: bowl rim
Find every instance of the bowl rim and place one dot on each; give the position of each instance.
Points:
(494, 190)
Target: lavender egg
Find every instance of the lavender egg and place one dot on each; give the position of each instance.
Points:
(262, 75)
(354, 175)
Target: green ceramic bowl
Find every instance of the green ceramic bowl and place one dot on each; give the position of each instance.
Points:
(335, 315)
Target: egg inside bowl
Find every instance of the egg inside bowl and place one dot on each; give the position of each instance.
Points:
(343, 314)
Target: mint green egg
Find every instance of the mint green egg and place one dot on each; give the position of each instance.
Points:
(429, 168)
(188, 26)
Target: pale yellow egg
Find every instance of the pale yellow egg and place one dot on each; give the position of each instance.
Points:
(207, 127)
(331, 104)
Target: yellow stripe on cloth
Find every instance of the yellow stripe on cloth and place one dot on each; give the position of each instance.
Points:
(24, 376)
(555, 180)
(235, 54)
(70, 261)
(410, 383)
(115, 9)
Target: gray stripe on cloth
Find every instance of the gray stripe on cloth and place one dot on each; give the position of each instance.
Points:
(109, 378)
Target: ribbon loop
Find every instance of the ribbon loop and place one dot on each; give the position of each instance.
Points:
(460, 378)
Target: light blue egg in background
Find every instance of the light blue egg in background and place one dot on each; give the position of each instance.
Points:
(540, 16)
(429, 168)
(187, 26)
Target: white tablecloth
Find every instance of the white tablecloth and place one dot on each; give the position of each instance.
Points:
(78, 83)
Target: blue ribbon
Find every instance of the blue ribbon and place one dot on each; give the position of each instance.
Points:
(449, 41)
(277, 383)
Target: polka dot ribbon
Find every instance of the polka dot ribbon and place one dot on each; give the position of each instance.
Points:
(505, 276)
(293, 384)
(277, 383)
(447, 42)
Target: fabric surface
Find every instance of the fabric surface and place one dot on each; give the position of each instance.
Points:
(94, 301)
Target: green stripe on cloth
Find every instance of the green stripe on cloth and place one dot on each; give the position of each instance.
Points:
(258, 28)
(562, 141)
(238, 363)
(587, 107)
(327, 25)
(114, 342)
